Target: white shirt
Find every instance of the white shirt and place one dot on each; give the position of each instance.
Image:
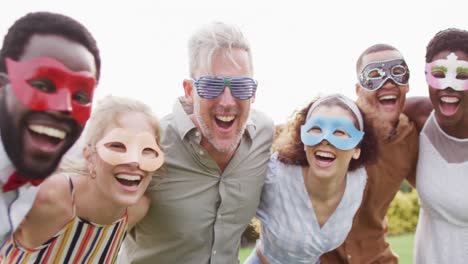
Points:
(14, 205)
(441, 181)
(290, 232)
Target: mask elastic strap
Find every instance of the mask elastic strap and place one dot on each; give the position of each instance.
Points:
(349, 103)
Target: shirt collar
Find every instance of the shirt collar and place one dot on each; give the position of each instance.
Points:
(182, 111)
(250, 128)
(6, 167)
(184, 123)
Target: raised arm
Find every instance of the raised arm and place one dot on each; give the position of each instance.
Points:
(51, 210)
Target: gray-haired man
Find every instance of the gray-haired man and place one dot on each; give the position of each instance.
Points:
(217, 149)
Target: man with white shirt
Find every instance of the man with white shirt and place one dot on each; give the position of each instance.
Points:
(49, 67)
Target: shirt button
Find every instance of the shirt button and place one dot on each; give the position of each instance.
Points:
(197, 134)
(349, 256)
(201, 152)
(219, 215)
(214, 252)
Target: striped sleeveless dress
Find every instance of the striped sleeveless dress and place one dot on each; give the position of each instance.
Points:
(80, 241)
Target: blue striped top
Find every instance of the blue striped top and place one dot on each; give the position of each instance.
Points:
(290, 232)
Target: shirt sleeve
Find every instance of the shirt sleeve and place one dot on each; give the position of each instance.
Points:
(269, 190)
(413, 147)
(272, 171)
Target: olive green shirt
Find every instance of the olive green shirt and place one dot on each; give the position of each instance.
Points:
(198, 213)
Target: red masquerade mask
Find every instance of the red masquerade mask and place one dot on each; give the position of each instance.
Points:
(44, 84)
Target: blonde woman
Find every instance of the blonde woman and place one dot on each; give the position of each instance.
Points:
(81, 214)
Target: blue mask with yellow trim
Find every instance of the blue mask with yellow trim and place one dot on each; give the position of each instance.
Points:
(330, 129)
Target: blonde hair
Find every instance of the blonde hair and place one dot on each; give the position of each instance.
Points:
(213, 38)
(107, 112)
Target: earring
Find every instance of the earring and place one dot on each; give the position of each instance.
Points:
(92, 173)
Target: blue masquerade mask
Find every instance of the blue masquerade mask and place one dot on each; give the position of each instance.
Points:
(328, 128)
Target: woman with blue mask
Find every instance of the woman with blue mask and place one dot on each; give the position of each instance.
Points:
(315, 182)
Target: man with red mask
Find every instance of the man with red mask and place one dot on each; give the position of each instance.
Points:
(49, 67)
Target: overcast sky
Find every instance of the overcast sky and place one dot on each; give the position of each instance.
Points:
(300, 48)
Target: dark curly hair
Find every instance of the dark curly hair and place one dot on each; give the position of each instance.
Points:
(44, 23)
(451, 39)
(291, 149)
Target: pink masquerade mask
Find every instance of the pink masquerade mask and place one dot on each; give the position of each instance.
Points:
(44, 84)
(121, 146)
(450, 72)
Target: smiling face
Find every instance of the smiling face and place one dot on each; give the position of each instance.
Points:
(325, 160)
(222, 120)
(388, 101)
(36, 140)
(450, 106)
(120, 174)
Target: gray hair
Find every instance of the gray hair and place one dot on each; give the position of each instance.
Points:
(212, 38)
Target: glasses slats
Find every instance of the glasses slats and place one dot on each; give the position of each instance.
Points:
(210, 87)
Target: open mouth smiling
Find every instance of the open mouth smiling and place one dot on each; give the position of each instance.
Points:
(324, 158)
(389, 99)
(449, 104)
(128, 179)
(46, 136)
(225, 121)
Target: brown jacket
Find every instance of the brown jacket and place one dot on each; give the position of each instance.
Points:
(366, 240)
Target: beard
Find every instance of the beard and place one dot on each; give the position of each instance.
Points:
(384, 129)
(13, 143)
(208, 135)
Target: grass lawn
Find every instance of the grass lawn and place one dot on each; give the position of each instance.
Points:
(402, 245)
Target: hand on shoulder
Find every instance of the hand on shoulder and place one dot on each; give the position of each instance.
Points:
(418, 109)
